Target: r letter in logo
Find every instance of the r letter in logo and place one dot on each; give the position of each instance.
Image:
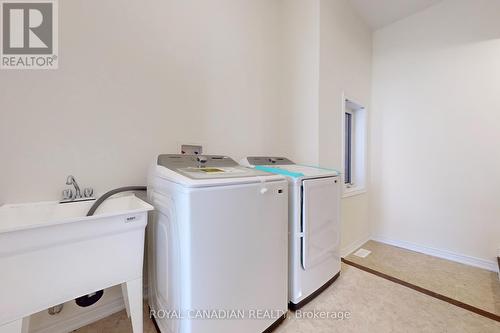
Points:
(29, 34)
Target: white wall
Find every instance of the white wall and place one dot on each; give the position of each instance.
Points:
(345, 67)
(436, 129)
(328, 52)
(140, 79)
(136, 80)
(301, 37)
(240, 77)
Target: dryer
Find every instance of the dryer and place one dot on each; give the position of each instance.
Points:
(217, 246)
(314, 225)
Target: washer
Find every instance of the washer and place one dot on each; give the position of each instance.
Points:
(217, 246)
(314, 226)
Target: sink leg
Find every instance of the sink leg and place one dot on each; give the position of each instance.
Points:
(125, 298)
(12, 327)
(134, 296)
(18, 326)
(25, 325)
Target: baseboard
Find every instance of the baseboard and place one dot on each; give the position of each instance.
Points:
(345, 251)
(444, 254)
(81, 319)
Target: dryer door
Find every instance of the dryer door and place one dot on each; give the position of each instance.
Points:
(320, 220)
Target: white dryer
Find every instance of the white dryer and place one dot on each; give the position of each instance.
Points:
(314, 226)
(217, 246)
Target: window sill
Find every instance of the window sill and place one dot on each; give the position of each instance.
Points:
(353, 191)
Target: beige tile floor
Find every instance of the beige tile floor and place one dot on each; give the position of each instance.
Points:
(474, 286)
(118, 323)
(375, 304)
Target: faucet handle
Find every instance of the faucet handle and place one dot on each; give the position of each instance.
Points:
(88, 192)
(67, 194)
(70, 179)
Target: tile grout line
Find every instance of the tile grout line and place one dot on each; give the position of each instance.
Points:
(427, 292)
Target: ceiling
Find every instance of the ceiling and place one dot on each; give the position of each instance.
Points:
(379, 13)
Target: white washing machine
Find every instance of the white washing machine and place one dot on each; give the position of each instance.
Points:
(217, 246)
(314, 226)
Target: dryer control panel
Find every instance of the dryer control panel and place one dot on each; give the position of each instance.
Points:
(268, 160)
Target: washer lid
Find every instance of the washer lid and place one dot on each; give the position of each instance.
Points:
(207, 170)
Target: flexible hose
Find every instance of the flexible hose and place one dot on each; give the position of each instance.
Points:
(106, 195)
(88, 300)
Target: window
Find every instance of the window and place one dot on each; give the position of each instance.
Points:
(348, 148)
(354, 147)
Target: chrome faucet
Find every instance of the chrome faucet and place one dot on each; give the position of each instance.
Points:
(72, 181)
(70, 195)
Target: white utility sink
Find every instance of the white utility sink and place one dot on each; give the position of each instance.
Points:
(51, 253)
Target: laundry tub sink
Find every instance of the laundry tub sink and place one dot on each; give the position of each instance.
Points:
(51, 253)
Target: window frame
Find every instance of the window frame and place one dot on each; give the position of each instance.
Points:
(359, 143)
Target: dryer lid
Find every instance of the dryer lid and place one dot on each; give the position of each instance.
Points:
(284, 166)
